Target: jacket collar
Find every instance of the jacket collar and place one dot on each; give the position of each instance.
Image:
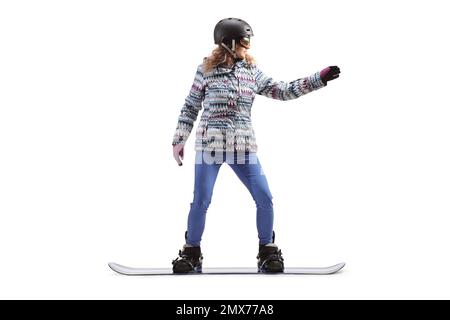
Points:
(221, 70)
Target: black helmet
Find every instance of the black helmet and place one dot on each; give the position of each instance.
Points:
(231, 30)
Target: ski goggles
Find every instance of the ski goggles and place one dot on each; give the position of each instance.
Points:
(245, 42)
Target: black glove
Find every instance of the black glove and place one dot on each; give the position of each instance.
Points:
(329, 73)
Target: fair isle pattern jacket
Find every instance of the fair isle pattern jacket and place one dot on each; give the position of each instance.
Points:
(227, 95)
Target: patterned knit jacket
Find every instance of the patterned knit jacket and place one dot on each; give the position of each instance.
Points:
(227, 95)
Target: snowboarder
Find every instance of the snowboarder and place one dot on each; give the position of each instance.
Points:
(226, 83)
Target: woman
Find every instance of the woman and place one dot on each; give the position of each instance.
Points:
(226, 83)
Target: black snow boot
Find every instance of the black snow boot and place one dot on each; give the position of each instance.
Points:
(270, 258)
(189, 260)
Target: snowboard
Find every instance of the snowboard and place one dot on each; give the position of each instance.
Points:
(129, 271)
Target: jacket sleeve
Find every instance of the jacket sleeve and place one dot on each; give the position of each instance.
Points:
(190, 109)
(281, 90)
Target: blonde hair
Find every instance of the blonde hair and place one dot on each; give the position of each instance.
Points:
(221, 56)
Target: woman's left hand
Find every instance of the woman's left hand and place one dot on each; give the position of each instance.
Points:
(329, 73)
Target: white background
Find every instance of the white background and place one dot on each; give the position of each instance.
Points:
(89, 95)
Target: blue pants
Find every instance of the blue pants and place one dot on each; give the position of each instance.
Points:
(248, 168)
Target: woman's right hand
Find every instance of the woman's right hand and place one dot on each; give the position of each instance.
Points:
(178, 152)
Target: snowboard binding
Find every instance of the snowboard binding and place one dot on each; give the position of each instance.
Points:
(189, 260)
(270, 258)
